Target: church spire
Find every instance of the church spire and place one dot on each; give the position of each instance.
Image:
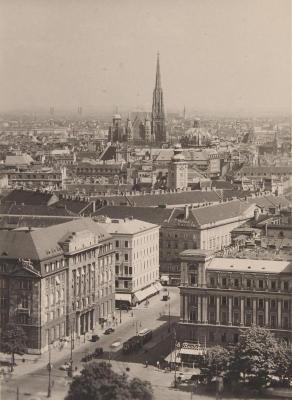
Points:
(158, 78)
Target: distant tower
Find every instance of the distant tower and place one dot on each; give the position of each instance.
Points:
(158, 116)
(147, 130)
(129, 129)
(178, 170)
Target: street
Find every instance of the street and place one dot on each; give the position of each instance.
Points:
(32, 378)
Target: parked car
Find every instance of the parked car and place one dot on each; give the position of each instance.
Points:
(109, 331)
(94, 338)
(165, 297)
(98, 352)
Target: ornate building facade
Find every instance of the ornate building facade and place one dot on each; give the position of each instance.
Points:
(219, 296)
(56, 280)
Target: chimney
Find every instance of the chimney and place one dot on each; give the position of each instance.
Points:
(186, 211)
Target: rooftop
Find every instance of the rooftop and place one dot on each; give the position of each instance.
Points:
(250, 265)
(127, 226)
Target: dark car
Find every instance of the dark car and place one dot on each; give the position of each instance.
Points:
(108, 331)
(165, 297)
(98, 352)
(94, 338)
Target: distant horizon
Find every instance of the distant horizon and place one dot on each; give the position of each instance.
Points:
(227, 56)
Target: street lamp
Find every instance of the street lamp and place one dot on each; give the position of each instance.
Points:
(168, 312)
(49, 368)
(70, 370)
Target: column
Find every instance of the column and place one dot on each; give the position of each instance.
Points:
(78, 324)
(199, 309)
(254, 311)
(229, 310)
(279, 314)
(205, 309)
(203, 275)
(186, 316)
(267, 312)
(242, 311)
(93, 318)
(218, 310)
(182, 306)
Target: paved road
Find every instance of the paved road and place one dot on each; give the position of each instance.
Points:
(33, 383)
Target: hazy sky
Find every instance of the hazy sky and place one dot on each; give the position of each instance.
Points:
(215, 55)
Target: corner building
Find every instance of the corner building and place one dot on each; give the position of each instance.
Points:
(56, 280)
(219, 296)
(136, 245)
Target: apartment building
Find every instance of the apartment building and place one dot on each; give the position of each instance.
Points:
(136, 245)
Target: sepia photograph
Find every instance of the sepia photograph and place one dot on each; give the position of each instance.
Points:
(145, 199)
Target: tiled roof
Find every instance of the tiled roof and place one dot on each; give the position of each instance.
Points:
(152, 215)
(27, 209)
(11, 222)
(269, 201)
(127, 226)
(220, 212)
(171, 199)
(28, 197)
(43, 243)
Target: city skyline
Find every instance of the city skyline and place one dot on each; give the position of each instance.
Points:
(223, 57)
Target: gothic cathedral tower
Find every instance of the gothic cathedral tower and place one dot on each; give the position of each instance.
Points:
(158, 117)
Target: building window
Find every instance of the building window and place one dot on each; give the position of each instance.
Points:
(236, 283)
(286, 286)
(285, 322)
(285, 305)
(224, 282)
(211, 337)
(117, 256)
(224, 300)
(261, 284)
(273, 304)
(248, 283)
(117, 243)
(126, 284)
(126, 257)
(126, 243)
(235, 338)
(236, 318)
(273, 321)
(116, 283)
(117, 269)
(212, 317)
(212, 300)
(248, 319)
(273, 285)
(261, 303)
(223, 317)
(236, 301)
(260, 320)
(212, 282)
(223, 338)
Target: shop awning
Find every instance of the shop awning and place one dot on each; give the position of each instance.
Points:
(158, 286)
(123, 297)
(144, 293)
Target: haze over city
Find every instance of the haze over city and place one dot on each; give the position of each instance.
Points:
(224, 56)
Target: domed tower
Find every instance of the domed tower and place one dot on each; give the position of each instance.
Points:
(147, 129)
(129, 129)
(178, 170)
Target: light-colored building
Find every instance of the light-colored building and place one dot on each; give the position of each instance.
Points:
(136, 245)
(219, 296)
(177, 170)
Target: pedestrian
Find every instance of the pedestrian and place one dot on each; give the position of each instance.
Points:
(146, 363)
(158, 365)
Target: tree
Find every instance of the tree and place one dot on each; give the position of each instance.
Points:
(99, 382)
(216, 362)
(13, 341)
(259, 355)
